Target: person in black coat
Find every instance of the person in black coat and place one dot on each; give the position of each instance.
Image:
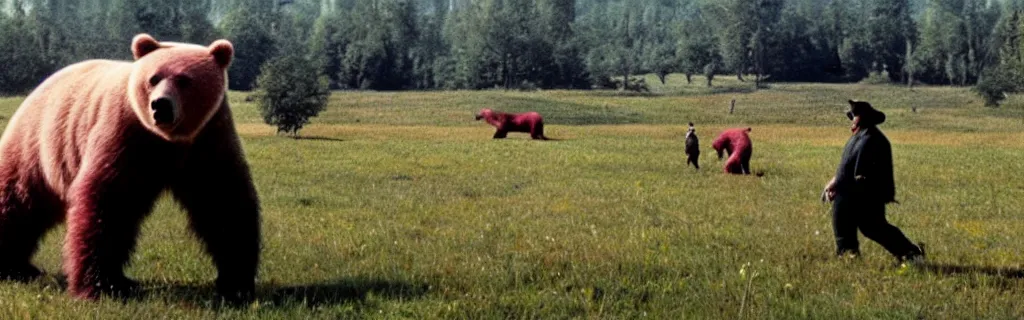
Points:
(863, 185)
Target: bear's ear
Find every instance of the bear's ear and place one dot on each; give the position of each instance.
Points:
(222, 52)
(143, 44)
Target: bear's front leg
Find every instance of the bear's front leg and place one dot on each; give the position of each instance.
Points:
(223, 207)
(224, 213)
(537, 131)
(106, 206)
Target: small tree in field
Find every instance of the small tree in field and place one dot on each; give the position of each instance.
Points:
(709, 72)
(996, 83)
(291, 92)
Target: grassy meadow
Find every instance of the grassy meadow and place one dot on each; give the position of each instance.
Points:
(399, 205)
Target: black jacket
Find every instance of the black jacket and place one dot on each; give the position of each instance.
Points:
(865, 171)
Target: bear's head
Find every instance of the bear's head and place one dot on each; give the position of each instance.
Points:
(484, 113)
(175, 88)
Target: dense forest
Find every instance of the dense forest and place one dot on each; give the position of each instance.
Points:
(477, 44)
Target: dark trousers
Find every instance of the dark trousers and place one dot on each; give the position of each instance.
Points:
(850, 214)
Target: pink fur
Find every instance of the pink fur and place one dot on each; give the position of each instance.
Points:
(83, 148)
(735, 142)
(530, 122)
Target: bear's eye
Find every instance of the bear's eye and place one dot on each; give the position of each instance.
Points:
(153, 81)
(184, 82)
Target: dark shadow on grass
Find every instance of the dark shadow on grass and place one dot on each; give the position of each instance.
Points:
(624, 94)
(725, 90)
(952, 269)
(510, 137)
(688, 91)
(308, 295)
(270, 295)
(317, 138)
(343, 291)
(710, 91)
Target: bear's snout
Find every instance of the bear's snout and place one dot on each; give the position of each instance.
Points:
(163, 111)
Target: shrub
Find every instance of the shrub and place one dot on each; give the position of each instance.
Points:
(995, 83)
(291, 92)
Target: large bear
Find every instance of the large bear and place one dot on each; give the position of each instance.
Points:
(530, 122)
(98, 142)
(735, 142)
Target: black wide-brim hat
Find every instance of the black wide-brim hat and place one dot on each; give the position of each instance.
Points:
(868, 115)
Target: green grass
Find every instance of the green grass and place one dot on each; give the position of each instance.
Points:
(410, 210)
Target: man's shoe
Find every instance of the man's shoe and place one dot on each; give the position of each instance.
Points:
(916, 258)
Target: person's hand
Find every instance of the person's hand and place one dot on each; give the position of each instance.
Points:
(829, 193)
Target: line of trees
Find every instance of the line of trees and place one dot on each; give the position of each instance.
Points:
(578, 44)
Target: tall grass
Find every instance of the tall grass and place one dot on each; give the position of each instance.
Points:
(405, 208)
